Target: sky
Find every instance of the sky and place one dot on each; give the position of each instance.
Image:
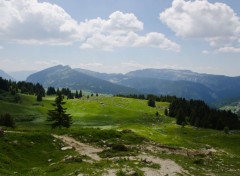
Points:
(118, 36)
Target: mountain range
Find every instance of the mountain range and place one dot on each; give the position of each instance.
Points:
(182, 83)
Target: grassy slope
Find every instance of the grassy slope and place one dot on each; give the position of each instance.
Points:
(112, 111)
(28, 153)
(109, 112)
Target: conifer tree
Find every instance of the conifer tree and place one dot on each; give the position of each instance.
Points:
(58, 117)
(76, 94)
(39, 97)
(180, 117)
(166, 112)
(80, 94)
(151, 102)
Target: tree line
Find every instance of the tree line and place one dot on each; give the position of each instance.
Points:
(161, 98)
(22, 87)
(65, 91)
(36, 89)
(193, 112)
(197, 113)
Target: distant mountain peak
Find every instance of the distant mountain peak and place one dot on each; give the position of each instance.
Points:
(64, 76)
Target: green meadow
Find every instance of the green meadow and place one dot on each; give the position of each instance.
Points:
(30, 148)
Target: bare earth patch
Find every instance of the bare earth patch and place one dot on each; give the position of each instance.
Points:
(168, 167)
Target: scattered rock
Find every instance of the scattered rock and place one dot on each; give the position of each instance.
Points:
(66, 148)
(15, 142)
(68, 158)
(52, 164)
(208, 146)
(110, 172)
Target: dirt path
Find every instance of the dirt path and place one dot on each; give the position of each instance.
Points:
(167, 166)
(81, 148)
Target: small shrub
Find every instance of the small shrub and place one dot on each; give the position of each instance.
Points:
(7, 120)
(17, 98)
(226, 130)
(199, 161)
(120, 173)
(119, 147)
(1, 132)
(126, 131)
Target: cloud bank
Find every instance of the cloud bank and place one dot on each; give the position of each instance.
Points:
(32, 22)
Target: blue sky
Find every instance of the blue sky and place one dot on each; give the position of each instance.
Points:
(121, 35)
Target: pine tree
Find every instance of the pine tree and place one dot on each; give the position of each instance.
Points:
(151, 102)
(58, 116)
(166, 112)
(180, 117)
(39, 97)
(80, 94)
(76, 94)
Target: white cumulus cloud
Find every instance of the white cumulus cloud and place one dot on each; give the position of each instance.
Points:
(33, 22)
(121, 30)
(111, 41)
(28, 21)
(217, 23)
